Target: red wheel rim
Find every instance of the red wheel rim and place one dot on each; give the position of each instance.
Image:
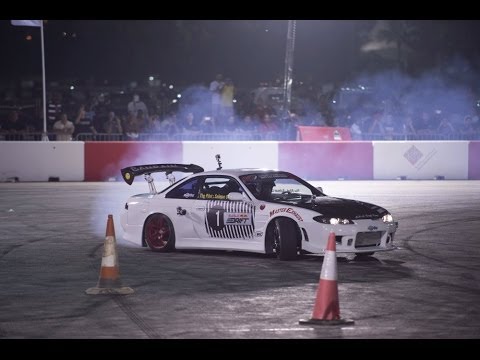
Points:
(157, 232)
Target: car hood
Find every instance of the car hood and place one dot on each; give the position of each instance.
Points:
(344, 208)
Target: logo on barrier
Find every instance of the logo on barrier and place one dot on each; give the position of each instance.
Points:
(417, 158)
(413, 155)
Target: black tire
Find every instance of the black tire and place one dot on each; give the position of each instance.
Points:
(159, 233)
(364, 254)
(285, 239)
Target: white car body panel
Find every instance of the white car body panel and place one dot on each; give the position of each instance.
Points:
(244, 223)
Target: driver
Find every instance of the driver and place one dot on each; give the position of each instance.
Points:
(264, 190)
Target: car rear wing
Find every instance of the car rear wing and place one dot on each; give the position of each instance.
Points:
(130, 172)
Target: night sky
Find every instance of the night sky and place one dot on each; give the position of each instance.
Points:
(193, 51)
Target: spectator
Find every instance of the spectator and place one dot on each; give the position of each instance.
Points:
(84, 121)
(131, 127)
(445, 128)
(231, 125)
(189, 125)
(408, 128)
(268, 128)
(135, 105)
(169, 125)
(216, 87)
(467, 129)
(14, 126)
(356, 129)
(54, 108)
(228, 91)
(64, 128)
(248, 124)
(291, 124)
(376, 127)
(113, 125)
(207, 125)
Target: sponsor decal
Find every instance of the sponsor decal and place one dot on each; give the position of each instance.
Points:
(371, 228)
(364, 216)
(272, 175)
(286, 190)
(258, 233)
(417, 158)
(288, 211)
(188, 195)
(262, 206)
(212, 196)
(237, 219)
(148, 167)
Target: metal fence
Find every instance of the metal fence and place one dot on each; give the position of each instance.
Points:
(233, 136)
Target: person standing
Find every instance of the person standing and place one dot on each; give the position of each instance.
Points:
(228, 91)
(135, 105)
(216, 87)
(64, 128)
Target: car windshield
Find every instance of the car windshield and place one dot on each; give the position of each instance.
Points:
(283, 187)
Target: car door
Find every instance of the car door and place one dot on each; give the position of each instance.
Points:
(227, 223)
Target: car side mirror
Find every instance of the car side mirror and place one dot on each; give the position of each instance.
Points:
(320, 188)
(235, 196)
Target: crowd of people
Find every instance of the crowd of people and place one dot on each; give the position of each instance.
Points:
(224, 113)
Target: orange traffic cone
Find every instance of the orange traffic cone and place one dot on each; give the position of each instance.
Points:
(327, 309)
(109, 280)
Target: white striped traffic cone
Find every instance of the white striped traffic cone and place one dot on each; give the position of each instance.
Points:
(327, 309)
(109, 280)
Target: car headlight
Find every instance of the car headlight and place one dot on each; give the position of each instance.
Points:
(332, 221)
(387, 218)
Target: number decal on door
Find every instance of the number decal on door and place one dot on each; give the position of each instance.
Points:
(215, 217)
(229, 219)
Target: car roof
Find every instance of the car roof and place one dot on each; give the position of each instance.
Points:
(236, 172)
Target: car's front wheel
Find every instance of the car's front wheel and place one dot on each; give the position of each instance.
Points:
(159, 233)
(364, 254)
(285, 239)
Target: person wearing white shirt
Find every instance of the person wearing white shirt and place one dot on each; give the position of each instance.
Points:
(64, 128)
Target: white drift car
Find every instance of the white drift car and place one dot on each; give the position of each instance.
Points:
(256, 210)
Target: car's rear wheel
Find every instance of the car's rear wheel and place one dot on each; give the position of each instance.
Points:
(159, 233)
(285, 239)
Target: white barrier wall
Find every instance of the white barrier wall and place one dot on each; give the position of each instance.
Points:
(417, 160)
(242, 154)
(420, 160)
(38, 160)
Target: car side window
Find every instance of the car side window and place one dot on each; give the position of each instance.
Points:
(187, 190)
(217, 188)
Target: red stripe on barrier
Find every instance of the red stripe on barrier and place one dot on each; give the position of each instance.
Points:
(325, 160)
(104, 160)
(474, 160)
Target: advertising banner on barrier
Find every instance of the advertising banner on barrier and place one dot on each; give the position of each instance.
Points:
(103, 160)
(474, 160)
(420, 160)
(323, 133)
(327, 160)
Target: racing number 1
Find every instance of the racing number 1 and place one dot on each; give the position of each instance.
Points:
(215, 218)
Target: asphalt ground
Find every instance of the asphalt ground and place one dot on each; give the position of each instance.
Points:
(52, 237)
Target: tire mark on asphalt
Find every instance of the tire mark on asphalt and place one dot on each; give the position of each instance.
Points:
(143, 325)
(91, 254)
(440, 224)
(123, 304)
(10, 248)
